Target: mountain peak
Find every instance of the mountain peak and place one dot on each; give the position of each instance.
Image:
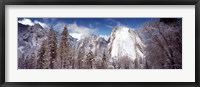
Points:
(37, 25)
(123, 42)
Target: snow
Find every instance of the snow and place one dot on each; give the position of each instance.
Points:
(139, 52)
(26, 22)
(93, 43)
(21, 49)
(76, 35)
(42, 24)
(138, 40)
(105, 37)
(123, 44)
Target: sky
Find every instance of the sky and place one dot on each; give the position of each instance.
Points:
(83, 26)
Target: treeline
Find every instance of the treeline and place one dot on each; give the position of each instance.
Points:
(163, 50)
(63, 55)
(163, 40)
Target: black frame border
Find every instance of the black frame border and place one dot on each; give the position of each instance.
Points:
(98, 2)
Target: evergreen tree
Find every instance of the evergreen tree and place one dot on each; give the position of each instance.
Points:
(65, 50)
(89, 60)
(41, 55)
(31, 61)
(26, 62)
(104, 61)
(80, 58)
(52, 46)
(21, 61)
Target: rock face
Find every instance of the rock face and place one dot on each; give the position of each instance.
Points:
(30, 38)
(94, 43)
(125, 45)
(124, 49)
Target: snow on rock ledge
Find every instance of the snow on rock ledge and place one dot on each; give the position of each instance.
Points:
(125, 42)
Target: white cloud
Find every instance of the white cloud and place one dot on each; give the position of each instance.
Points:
(113, 21)
(80, 29)
(97, 23)
(110, 26)
(26, 22)
(59, 26)
(90, 25)
(105, 37)
(76, 35)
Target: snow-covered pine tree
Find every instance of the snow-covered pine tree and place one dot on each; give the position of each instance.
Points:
(52, 46)
(104, 60)
(89, 60)
(65, 50)
(31, 61)
(80, 58)
(26, 62)
(21, 62)
(41, 55)
(63, 47)
(69, 58)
